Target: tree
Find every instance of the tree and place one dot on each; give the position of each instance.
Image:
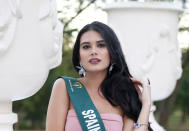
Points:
(167, 105)
(182, 102)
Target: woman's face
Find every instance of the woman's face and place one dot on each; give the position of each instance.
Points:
(94, 54)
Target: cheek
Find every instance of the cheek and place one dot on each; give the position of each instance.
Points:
(83, 56)
(107, 57)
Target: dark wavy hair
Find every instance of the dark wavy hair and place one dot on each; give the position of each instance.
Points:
(117, 87)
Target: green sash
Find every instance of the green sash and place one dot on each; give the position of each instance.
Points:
(86, 111)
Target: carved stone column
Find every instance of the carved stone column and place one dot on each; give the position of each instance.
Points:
(148, 34)
(30, 45)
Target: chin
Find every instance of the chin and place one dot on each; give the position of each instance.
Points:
(97, 70)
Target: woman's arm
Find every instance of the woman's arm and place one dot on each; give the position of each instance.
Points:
(145, 97)
(128, 124)
(58, 107)
(143, 118)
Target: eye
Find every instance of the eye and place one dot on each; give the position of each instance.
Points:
(86, 47)
(101, 45)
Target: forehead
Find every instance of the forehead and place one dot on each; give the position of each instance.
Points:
(91, 35)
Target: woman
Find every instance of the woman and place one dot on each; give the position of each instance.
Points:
(98, 57)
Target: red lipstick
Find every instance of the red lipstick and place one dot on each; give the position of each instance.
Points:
(94, 61)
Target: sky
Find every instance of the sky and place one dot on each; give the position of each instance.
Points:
(93, 14)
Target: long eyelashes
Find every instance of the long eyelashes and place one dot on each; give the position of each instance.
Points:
(99, 45)
(86, 47)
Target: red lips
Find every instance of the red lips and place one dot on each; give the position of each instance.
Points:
(94, 61)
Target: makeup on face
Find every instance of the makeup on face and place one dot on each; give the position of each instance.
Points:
(94, 61)
(94, 54)
(87, 45)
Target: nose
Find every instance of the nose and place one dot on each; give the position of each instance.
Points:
(94, 51)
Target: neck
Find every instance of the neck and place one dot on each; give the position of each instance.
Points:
(93, 80)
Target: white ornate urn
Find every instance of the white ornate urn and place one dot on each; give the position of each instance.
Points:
(30, 45)
(148, 34)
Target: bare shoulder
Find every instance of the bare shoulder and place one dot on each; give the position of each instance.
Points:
(59, 91)
(59, 84)
(58, 106)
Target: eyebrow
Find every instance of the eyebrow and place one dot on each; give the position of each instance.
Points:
(99, 41)
(85, 42)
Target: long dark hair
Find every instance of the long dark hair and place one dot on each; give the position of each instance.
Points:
(117, 87)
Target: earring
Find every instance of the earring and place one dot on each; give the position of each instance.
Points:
(81, 69)
(111, 68)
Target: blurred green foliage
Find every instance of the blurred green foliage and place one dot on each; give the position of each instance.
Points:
(182, 101)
